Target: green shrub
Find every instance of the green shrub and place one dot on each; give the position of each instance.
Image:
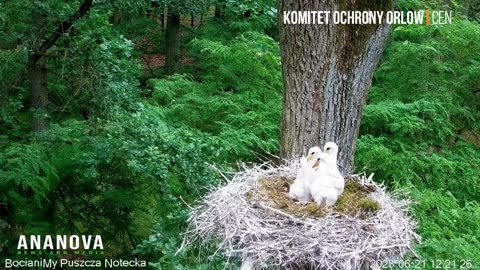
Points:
(236, 100)
(419, 130)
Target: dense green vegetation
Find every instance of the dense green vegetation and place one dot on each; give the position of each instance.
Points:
(127, 147)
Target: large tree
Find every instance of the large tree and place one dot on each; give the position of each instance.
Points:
(175, 9)
(327, 71)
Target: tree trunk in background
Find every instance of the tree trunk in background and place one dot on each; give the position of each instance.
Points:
(217, 10)
(39, 95)
(173, 57)
(162, 20)
(116, 17)
(327, 71)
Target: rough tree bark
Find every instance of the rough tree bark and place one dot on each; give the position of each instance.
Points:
(327, 71)
(172, 37)
(39, 95)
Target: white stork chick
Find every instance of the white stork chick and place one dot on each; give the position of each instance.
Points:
(300, 189)
(326, 182)
(321, 190)
(334, 176)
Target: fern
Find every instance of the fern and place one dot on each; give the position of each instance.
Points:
(24, 170)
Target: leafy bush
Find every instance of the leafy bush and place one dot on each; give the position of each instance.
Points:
(239, 88)
(419, 130)
(422, 123)
(131, 166)
(448, 227)
(250, 15)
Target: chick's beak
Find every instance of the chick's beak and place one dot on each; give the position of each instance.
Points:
(309, 157)
(317, 163)
(325, 151)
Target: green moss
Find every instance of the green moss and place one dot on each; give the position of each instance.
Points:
(369, 205)
(353, 202)
(352, 186)
(273, 190)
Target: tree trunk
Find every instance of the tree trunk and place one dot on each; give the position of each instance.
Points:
(162, 20)
(117, 17)
(162, 16)
(327, 72)
(39, 95)
(218, 10)
(172, 61)
(192, 20)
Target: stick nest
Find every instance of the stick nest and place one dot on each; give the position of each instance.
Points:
(251, 217)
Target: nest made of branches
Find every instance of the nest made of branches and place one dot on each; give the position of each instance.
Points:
(251, 217)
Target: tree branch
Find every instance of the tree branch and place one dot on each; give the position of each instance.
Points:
(63, 28)
(148, 65)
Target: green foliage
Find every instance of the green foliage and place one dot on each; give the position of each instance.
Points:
(253, 15)
(449, 229)
(421, 120)
(420, 130)
(105, 155)
(423, 123)
(131, 166)
(185, 7)
(130, 7)
(117, 149)
(240, 87)
(145, 33)
(28, 177)
(107, 77)
(166, 244)
(248, 62)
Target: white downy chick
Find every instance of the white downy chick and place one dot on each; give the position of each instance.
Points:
(327, 183)
(300, 189)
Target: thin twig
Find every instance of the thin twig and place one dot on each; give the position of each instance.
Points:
(184, 202)
(148, 65)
